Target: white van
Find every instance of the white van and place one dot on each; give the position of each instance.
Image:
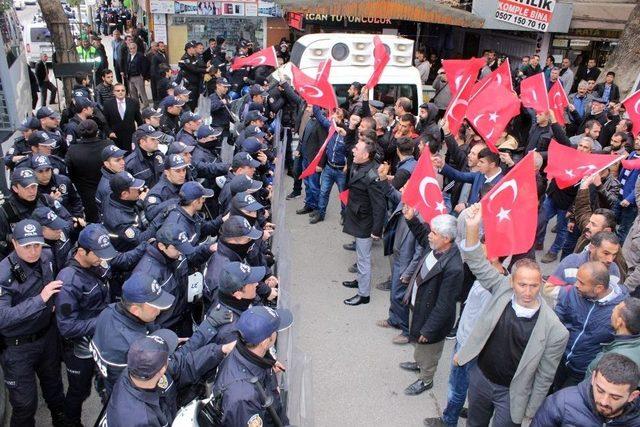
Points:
(37, 40)
(352, 60)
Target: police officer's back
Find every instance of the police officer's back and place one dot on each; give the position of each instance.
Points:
(29, 335)
(20, 147)
(248, 372)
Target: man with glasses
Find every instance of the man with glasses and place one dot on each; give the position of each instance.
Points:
(122, 115)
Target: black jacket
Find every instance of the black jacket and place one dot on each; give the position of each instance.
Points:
(42, 72)
(123, 129)
(83, 164)
(157, 59)
(434, 311)
(311, 139)
(136, 66)
(614, 94)
(366, 208)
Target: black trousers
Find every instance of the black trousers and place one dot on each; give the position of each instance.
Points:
(193, 97)
(47, 86)
(21, 364)
(79, 374)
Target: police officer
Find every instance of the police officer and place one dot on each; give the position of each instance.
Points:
(146, 162)
(205, 156)
(166, 191)
(242, 164)
(188, 218)
(220, 104)
(257, 96)
(57, 186)
(112, 163)
(21, 203)
(165, 260)
(28, 331)
(84, 294)
(183, 94)
(21, 148)
(40, 143)
(122, 215)
(179, 147)
(147, 391)
(170, 120)
(121, 323)
(193, 70)
(50, 124)
(57, 235)
(86, 52)
(84, 109)
(253, 119)
(239, 184)
(245, 401)
(237, 239)
(236, 293)
(190, 124)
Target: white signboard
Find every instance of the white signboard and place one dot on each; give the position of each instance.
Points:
(162, 6)
(159, 27)
(533, 14)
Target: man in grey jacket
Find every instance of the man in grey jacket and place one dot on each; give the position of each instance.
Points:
(631, 251)
(518, 342)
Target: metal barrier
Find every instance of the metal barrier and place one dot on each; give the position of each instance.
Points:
(296, 382)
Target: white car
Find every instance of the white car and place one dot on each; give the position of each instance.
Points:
(18, 4)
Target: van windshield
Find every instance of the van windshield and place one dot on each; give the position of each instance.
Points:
(387, 93)
(40, 35)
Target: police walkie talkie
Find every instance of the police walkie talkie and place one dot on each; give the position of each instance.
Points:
(17, 272)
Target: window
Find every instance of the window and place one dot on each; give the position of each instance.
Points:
(40, 34)
(389, 93)
(341, 92)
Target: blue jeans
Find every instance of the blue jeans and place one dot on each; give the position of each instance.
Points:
(398, 311)
(548, 211)
(457, 390)
(327, 178)
(570, 242)
(311, 188)
(625, 218)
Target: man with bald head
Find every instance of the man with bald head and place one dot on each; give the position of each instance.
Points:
(585, 310)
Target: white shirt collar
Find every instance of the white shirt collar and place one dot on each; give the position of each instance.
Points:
(491, 178)
(522, 311)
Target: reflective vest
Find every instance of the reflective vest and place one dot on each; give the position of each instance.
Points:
(87, 55)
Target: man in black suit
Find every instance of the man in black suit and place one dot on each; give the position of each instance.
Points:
(311, 140)
(122, 115)
(608, 90)
(157, 73)
(42, 74)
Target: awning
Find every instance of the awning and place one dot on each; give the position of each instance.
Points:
(407, 10)
(601, 14)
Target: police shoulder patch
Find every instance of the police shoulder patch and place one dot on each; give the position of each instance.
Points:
(130, 233)
(163, 383)
(255, 421)
(152, 199)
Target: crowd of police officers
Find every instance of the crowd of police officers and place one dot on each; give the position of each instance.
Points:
(147, 271)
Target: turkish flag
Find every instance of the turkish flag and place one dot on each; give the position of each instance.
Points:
(632, 105)
(316, 92)
(265, 56)
(380, 59)
(461, 72)
(568, 165)
(631, 164)
(311, 169)
(558, 101)
(344, 197)
(533, 93)
(464, 74)
(501, 75)
(491, 110)
(510, 211)
(422, 191)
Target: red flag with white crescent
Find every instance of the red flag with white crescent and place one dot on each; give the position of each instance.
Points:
(316, 92)
(631, 164)
(461, 75)
(558, 101)
(265, 56)
(423, 191)
(533, 93)
(311, 169)
(509, 211)
(632, 105)
(491, 110)
(380, 59)
(568, 165)
(501, 75)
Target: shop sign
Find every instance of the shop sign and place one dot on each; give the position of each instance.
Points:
(532, 14)
(222, 8)
(316, 18)
(161, 6)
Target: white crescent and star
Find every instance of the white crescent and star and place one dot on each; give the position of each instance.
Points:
(569, 173)
(260, 59)
(455, 104)
(555, 104)
(311, 91)
(635, 106)
(503, 214)
(423, 186)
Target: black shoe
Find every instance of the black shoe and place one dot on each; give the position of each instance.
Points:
(384, 286)
(417, 387)
(353, 268)
(464, 413)
(293, 195)
(350, 284)
(304, 210)
(434, 422)
(410, 366)
(314, 213)
(357, 300)
(316, 219)
(452, 334)
(349, 246)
